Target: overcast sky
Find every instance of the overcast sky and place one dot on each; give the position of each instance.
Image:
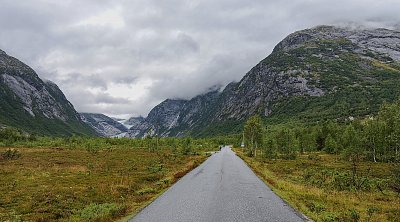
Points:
(123, 57)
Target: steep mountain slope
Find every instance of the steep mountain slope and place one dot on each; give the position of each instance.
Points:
(176, 117)
(104, 125)
(315, 74)
(34, 105)
(317, 64)
(160, 119)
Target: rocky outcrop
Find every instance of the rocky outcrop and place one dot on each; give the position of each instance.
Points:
(382, 41)
(38, 99)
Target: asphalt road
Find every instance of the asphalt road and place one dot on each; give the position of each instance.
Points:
(223, 188)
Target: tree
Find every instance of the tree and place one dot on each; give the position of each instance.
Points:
(353, 150)
(253, 133)
(301, 136)
(374, 137)
(270, 148)
(330, 145)
(390, 114)
(287, 143)
(322, 133)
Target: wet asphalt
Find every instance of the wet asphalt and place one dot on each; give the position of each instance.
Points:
(222, 189)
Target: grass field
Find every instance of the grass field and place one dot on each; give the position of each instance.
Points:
(318, 185)
(50, 184)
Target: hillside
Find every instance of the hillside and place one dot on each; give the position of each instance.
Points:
(315, 74)
(29, 103)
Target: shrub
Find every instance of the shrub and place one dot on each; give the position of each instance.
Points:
(91, 147)
(370, 212)
(395, 185)
(354, 215)
(316, 207)
(314, 156)
(11, 154)
(337, 180)
(147, 190)
(101, 212)
(9, 136)
(156, 168)
(329, 217)
(187, 146)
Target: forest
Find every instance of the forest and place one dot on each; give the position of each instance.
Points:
(374, 138)
(332, 170)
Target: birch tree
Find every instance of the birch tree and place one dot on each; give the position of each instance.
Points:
(253, 133)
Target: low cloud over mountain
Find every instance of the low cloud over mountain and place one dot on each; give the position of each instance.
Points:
(124, 57)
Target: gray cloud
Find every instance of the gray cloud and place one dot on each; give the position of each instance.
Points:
(123, 57)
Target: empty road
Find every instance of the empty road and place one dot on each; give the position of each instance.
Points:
(223, 188)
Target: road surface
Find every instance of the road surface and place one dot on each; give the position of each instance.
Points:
(222, 189)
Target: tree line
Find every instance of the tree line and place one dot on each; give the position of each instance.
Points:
(373, 138)
(11, 137)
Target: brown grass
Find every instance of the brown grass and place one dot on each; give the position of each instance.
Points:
(57, 184)
(320, 203)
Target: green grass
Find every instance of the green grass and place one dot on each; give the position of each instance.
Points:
(64, 184)
(315, 185)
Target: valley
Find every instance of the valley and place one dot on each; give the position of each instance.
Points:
(317, 121)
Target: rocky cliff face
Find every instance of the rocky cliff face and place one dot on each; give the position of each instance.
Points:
(175, 117)
(379, 41)
(160, 119)
(323, 72)
(300, 64)
(104, 125)
(35, 105)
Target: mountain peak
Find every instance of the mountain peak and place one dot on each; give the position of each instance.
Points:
(328, 67)
(379, 40)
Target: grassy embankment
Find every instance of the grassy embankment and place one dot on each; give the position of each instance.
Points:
(319, 185)
(63, 184)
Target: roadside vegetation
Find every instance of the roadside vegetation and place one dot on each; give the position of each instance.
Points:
(89, 179)
(332, 171)
(337, 170)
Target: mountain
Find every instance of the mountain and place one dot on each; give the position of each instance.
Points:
(35, 105)
(176, 117)
(133, 121)
(104, 125)
(160, 119)
(314, 74)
